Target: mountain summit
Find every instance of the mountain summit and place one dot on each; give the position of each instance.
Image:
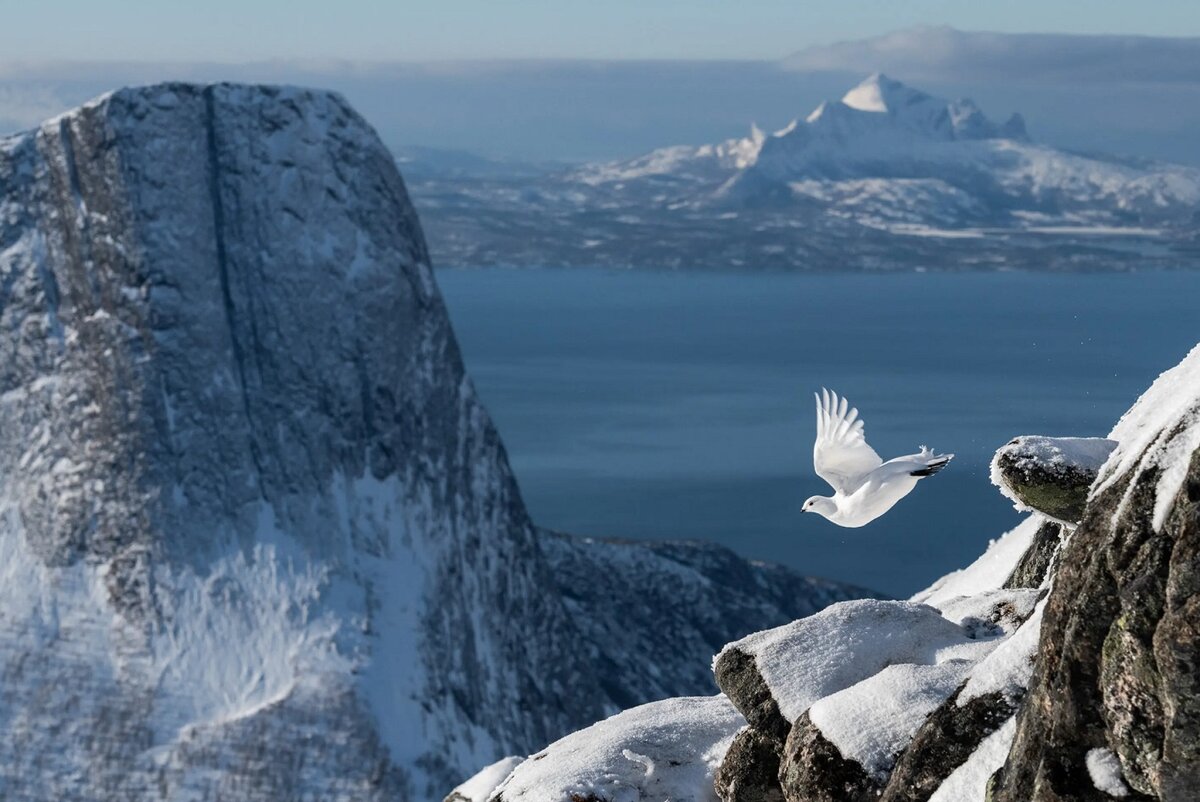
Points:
(918, 112)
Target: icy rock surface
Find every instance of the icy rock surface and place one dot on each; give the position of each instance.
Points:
(667, 750)
(258, 537)
(1050, 475)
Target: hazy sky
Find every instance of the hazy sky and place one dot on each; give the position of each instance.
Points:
(240, 30)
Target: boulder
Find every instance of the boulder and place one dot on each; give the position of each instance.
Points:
(1050, 475)
(750, 770)
(738, 676)
(813, 770)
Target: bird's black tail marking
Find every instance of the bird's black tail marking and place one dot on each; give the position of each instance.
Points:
(931, 468)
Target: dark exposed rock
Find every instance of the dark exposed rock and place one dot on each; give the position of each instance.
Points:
(813, 770)
(750, 770)
(739, 678)
(1119, 656)
(1034, 565)
(1050, 474)
(943, 743)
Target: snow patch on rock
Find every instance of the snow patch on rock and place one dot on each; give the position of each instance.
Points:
(872, 721)
(812, 658)
(1105, 770)
(1159, 431)
(662, 750)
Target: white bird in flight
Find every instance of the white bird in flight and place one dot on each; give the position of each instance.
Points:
(865, 486)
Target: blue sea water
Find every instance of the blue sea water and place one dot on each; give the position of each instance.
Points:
(679, 405)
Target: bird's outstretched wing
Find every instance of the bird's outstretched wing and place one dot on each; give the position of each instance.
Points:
(841, 455)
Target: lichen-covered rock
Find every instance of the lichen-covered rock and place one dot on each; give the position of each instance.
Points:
(1050, 475)
(813, 770)
(750, 770)
(1119, 657)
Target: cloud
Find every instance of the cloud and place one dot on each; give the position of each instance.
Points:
(943, 53)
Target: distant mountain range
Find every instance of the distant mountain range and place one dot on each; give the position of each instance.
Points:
(888, 177)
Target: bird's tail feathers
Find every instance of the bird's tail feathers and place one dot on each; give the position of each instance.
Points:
(933, 462)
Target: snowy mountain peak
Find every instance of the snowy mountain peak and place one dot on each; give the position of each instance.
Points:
(880, 94)
(883, 103)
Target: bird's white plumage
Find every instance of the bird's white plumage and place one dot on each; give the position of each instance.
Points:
(841, 455)
(865, 486)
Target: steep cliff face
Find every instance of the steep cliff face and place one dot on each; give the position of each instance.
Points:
(247, 489)
(258, 537)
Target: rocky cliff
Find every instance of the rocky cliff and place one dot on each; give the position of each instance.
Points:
(258, 538)
(1061, 666)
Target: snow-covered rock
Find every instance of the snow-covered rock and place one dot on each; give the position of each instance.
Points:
(883, 700)
(968, 782)
(258, 537)
(851, 687)
(1050, 475)
(847, 643)
(666, 750)
(479, 787)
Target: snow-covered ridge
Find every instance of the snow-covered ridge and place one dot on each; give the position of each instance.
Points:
(1158, 432)
(887, 177)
